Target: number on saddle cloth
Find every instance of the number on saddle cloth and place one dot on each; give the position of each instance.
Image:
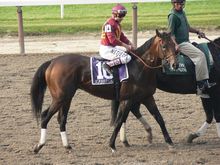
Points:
(99, 76)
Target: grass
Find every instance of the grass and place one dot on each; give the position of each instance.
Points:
(42, 20)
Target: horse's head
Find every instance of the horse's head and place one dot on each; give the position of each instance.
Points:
(163, 48)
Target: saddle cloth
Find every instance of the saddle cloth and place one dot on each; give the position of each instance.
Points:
(186, 66)
(99, 76)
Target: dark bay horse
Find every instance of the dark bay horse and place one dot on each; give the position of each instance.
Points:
(186, 84)
(65, 74)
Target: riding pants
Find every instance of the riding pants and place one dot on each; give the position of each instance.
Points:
(198, 58)
(112, 53)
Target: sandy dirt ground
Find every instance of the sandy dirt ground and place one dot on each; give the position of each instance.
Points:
(88, 121)
(74, 43)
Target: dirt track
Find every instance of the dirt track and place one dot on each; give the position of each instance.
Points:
(88, 126)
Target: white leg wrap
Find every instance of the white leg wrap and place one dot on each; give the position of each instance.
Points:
(218, 129)
(64, 138)
(43, 136)
(144, 122)
(201, 131)
(123, 137)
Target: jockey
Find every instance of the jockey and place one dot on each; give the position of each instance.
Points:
(114, 44)
(179, 27)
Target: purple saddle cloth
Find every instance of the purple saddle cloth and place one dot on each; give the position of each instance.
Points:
(100, 77)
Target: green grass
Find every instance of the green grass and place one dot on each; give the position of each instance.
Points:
(89, 18)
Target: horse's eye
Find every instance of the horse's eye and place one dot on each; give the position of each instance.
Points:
(164, 47)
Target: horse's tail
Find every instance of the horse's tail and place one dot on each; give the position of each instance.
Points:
(38, 88)
(114, 111)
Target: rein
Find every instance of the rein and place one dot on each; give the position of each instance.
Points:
(148, 66)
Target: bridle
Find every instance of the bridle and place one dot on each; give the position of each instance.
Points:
(163, 49)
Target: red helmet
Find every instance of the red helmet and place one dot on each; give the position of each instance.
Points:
(119, 11)
(177, 1)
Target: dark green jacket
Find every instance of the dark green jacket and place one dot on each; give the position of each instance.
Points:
(178, 26)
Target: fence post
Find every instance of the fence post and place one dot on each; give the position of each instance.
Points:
(20, 30)
(134, 25)
(62, 11)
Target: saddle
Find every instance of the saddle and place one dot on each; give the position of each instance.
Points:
(186, 66)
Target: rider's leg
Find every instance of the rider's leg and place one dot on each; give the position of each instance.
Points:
(116, 55)
(201, 69)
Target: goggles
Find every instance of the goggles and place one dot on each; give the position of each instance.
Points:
(120, 13)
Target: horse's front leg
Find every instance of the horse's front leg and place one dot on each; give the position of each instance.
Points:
(122, 116)
(135, 109)
(152, 107)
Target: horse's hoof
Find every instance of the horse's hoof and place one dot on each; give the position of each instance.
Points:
(126, 144)
(68, 147)
(113, 150)
(150, 138)
(171, 148)
(191, 137)
(37, 148)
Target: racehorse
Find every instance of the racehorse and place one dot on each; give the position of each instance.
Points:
(65, 74)
(185, 84)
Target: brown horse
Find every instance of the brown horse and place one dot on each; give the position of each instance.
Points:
(65, 74)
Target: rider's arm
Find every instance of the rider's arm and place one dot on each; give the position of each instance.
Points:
(199, 33)
(173, 23)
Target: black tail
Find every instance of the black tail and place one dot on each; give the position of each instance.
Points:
(114, 111)
(38, 88)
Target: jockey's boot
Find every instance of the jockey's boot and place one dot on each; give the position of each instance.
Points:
(109, 64)
(202, 87)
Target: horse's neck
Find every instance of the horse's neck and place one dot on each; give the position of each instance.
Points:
(150, 54)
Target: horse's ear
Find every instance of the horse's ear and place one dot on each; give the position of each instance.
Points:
(158, 33)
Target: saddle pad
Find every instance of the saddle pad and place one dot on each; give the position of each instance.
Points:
(186, 66)
(99, 76)
(181, 70)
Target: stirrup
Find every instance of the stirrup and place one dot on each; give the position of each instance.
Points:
(201, 94)
(210, 85)
(204, 84)
(107, 68)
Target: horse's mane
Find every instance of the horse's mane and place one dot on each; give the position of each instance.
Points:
(215, 51)
(142, 49)
(217, 41)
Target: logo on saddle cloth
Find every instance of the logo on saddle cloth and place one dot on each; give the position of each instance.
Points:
(186, 66)
(99, 76)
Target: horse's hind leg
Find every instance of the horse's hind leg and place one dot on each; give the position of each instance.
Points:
(45, 118)
(216, 110)
(62, 119)
(122, 116)
(208, 108)
(135, 109)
